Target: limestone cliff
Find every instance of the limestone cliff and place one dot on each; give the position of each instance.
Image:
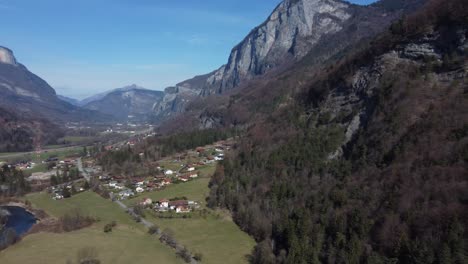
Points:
(319, 29)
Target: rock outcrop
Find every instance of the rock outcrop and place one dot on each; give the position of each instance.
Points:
(289, 33)
(296, 29)
(6, 56)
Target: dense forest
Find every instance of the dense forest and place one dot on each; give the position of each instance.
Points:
(23, 133)
(12, 182)
(395, 192)
(126, 160)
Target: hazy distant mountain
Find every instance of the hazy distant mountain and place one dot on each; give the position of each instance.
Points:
(69, 100)
(122, 103)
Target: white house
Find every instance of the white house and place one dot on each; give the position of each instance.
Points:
(169, 172)
(139, 190)
(119, 186)
(182, 209)
(112, 184)
(219, 149)
(140, 183)
(147, 201)
(126, 194)
(164, 203)
(191, 169)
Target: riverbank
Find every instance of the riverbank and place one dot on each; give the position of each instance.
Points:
(43, 222)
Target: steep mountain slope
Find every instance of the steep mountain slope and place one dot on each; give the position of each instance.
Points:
(364, 161)
(292, 31)
(122, 103)
(69, 100)
(23, 133)
(28, 94)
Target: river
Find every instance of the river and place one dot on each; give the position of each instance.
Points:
(19, 219)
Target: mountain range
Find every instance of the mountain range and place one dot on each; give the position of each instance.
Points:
(313, 29)
(127, 102)
(27, 93)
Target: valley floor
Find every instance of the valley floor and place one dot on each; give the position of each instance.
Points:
(213, 234)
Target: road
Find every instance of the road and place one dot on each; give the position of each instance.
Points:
(126, 208)
(144, 222)
(83, 171)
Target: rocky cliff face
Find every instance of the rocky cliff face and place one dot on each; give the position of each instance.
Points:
(357, 97)
(318, 29)
(6, 56)
(289, 33)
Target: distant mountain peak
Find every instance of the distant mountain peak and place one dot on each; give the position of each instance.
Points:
(132, 100)
(128, 88)
(7, 57)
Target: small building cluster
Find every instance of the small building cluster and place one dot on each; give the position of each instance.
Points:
(177, 206)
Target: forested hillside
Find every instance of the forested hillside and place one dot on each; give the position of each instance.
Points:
(363, 162)
(23, 133)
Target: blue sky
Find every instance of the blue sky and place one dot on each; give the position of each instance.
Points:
(82, 47)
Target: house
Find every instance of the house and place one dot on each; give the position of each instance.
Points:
(182, 209)
(126, 193)
(169, 172)
(191, 169)
(200, 150)
(146, 202)
(219, 149)
(164, 203)
(139, 190)
(165, 182)
(113, 184)
(174, 204)
(58, 197)
(119, 186)
(184, 178)
(140, 183)
(193, 175)
(217, 158)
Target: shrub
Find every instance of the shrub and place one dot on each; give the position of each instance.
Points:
(154, 230)
(198, 256)
(108, 228)
(185, 254)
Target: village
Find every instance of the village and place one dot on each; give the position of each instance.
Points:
(177, 169)
(74, 171)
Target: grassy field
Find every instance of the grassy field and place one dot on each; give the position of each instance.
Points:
(122, 246)
(218, 238)
(76, 139)
(196, 190)
(88, 202)
(60, 153)
(128, 243)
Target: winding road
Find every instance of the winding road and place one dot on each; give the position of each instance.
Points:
(85, 174)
